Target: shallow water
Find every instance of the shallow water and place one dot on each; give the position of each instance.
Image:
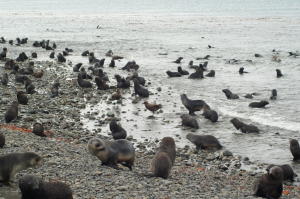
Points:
(141, 29)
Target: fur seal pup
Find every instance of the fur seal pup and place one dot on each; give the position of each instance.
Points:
(192, 105)
(109, 53)
(181, 71)
(117, 131)
(141, 80)
(178, 60)
(30, 88)
(152, 107)
(12, 112)
(173, 74)
(245, 128)
(260, 104)
(61, 58)
(139, 89)
(3, 54)
(189, 121)
(22, 57)
(270, 185)
(2, 140)
(12, 163)
(33, 187)
(197, 75)
(229, 94)
(211, 73)
(164, 158)
(207, 142)
(101, 84)
(121, 82)
(85, 53)
(52, 55)
(77, 67)
(22, 98)
(131, 65)
(38, 74)
(38, 129)
(34, 55)
(278, 73)
(274, 95)
(4, 79)
(211, 115)
(111, 153)
(112, 63)
(83, 83)
(295, 149)
(288, 172)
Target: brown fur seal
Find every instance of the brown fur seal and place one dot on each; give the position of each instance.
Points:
(139, 89)
(270, 185)
(295, 149)
(278, 73)
(116, 130)
(12, 163)
(207, 142)
(22, 98)
(192, 105)
(197, 75)
(164, 158)
(83, 83)
(245, 128)
(211, 115)
(229, 94)
(12, 112)
(173, 74)
(189, 121)
(181, 71)
(33, 187)
(288, 172)
(2, 140)
(260, 104)
(111, 153)
(38, 129)
(178, 60)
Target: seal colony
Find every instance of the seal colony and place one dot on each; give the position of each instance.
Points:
(120, 152)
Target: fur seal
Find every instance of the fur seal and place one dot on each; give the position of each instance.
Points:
(288, 172)
(12, 112)
(77, 67)
(245, 128)
(260, 104)
(173, 74)
(112, 63)
(192, 105)
(241, 71)
(211, 73)
(116, 95)
(54, 89)
(181, 71)
(270, 185)
(38, 74)
(274, 95)
(295, 149)
(3, 54)
(22, 57)
(101, 84)
(257, 55)
(131, 65)
(229, 94)
(109, 53)
(189, 121)
(4, 79)
(121, 82)
(139, 79)
(30, 88)
(12, 163)
(83, 83)
(197, 75)
(22, 98)
(139, 89)
(38, 129)
(2, 140)
(117, 131)
(278, 73)
(207, 142)
(164, 158)
(34, 55)
(33, 187)
(152, 107)
(85, 53)
(111, 153)
(178, 60)
(61, 58)
(52, 55)
(249, 96)
(211, 115)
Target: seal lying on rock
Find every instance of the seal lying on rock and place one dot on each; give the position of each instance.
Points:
(270, 185)
(164, 158)
(295, 149)
(245, 128)
(229, 94)
(12, 112)
(207, 142)
(12, 163)
(192, 105)
(33, 187)
(260, 104)
(116, 130)
(189, 121)
(288, 172)
(111, 153)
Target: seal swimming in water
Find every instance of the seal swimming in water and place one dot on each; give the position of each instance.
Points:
(12, 112)
(111, 153)
(274, 95)
(164, 158)
(33, 187)
(189, 121)
(139, 89)
(192, 105)
(278, 73)
(245, 128)
(173, 74)
(12, 163)
(229, 94)
(206, 142)
(117, 131)
(288, 172)
(2, 140)
(295, 149)
(181, 71)
(270, 185)
(260, 104)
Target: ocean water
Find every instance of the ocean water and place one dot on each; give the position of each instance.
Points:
(140, 30)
